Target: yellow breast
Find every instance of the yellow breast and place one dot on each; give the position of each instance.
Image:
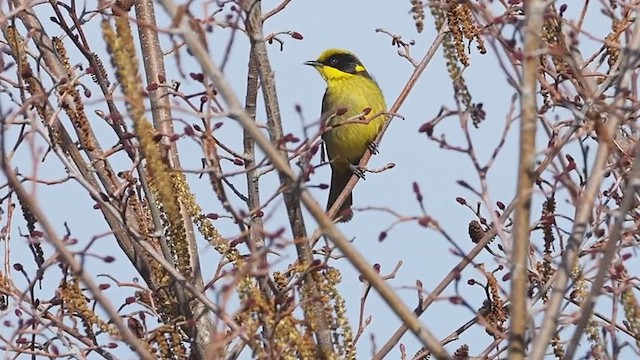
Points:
(347, 143)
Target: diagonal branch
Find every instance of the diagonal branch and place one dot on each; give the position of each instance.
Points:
(609, 252)
(236, 112)
(583, 212)
(101, 167)
(69, 260)
(394, 109)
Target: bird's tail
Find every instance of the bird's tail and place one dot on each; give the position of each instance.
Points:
(339, 181)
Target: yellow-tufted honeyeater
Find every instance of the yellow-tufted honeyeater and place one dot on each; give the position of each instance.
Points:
(350, 88)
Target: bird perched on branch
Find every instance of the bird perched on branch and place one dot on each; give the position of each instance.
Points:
(353, 106)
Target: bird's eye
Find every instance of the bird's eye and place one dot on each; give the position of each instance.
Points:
(333, 61)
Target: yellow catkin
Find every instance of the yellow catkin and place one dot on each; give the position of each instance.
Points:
(348, 346)
(545, 268)
(287, 337)
(204, 225)
(158, 339)
(455, 26)
(100, 70)
(498, 305)
(554, 38)
(76, 113)
(165, 300)
(142, 215)
(612, 41)
(307, 346)
(580, 289)
(122, 49)
(579, 294)
(461, 353)
(558, 348)
(548, 210)
(256, 308)
(593, 336)
(177, 346)
(417, 10)
(77, 303)
(462, 26)
(631, 311)
(17, 45)
(493, 309)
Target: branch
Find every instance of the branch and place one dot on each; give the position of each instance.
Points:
(628, 200)
(153, 59)
(394, 109)
(290, 194)
(236, 112)
(105, 173)
(145, 246)
(69, 260)
(583, 212)
(255, 238)
(455, 272)
(534, 10)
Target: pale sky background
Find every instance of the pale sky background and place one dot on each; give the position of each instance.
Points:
(426, 255)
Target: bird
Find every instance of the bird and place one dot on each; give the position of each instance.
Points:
(351, 95)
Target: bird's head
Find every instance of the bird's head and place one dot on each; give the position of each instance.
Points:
(336, 64)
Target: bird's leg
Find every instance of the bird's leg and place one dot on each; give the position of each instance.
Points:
(357, 171)
(373, 147)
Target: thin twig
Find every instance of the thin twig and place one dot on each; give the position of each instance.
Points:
(583, 212)
(394, 109)
(314, 309)
(628, 200)
(74, 266)
(236, 112)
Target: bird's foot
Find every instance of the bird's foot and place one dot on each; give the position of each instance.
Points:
(373, 147)
(358, 171)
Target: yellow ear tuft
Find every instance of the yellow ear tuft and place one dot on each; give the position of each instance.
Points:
(360, 68)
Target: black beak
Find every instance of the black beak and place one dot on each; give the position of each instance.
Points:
(313, 63)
